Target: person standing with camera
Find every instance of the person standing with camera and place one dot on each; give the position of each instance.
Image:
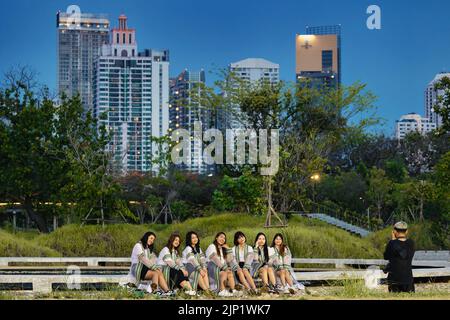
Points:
(400, 252)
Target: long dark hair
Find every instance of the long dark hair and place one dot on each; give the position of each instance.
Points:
(144, 241)
(283, 246)
(195, 248)
(265, 247)
(237, 235)
(224, 251)
(172, 238)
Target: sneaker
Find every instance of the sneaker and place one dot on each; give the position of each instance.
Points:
(158, 293)
(272, 289)
(291, 290)
(169, 293)
(190, 293)
(224, 294)
(239, 287)
(237, 293)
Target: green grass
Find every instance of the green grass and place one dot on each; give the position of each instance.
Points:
(355, 289)
(13, 246)
(336, 290)
(420, 233)
(305, 237)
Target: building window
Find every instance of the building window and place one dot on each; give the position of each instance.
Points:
(129, 38)
(124, 53)
(117, 38)
(327, 60)
(123, 38)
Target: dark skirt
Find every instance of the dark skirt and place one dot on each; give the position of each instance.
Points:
(142, 272)
(176, 277)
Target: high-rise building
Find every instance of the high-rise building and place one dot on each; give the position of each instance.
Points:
(131, 98)
(185, 110)
(431, 98)
(413, 122)
(318, 55)
(251, 70)
(79, 41)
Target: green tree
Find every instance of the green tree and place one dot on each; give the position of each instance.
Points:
(380, 189)
(396, 170)
(29, 174)
(442, 108)
(92, 169)
(241, 194)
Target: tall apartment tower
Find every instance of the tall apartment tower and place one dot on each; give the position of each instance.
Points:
(251, 70)
(184, 110)
(79, 41)
(318, 55)
(431, 98)
(131, 98)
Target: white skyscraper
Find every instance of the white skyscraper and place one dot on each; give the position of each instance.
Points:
(131, 98)
(431, 97)
(413, 122)
(252, 70)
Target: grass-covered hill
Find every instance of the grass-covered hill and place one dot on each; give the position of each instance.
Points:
(306, 238)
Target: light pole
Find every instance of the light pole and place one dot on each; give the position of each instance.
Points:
(315, 178)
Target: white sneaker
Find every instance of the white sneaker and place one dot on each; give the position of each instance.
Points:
(285, 289)
(224, 293)
(146, 287)
(237, 293)
(190, 292)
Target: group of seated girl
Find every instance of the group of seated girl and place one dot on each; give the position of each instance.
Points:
(219, 269)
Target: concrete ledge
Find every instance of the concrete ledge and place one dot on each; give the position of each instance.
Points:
(43, 283)
(90, 261)
(368, 262)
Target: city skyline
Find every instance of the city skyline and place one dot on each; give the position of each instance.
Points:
(390, 61)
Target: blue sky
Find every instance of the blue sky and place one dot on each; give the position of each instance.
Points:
(395, 62)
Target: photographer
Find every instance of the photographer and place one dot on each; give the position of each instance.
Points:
(400, 252)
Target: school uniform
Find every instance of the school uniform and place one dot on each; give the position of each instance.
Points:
(142, 261)
(284, 262)
(259, 260)
(216, 262)
(194, 261)
(172, 267)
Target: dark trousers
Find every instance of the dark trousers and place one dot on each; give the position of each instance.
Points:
(401, 287)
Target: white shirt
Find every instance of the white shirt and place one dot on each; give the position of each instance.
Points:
(212, 249)
(163, 252)
(138, 249)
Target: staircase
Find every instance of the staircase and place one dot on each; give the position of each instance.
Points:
(339, 223)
